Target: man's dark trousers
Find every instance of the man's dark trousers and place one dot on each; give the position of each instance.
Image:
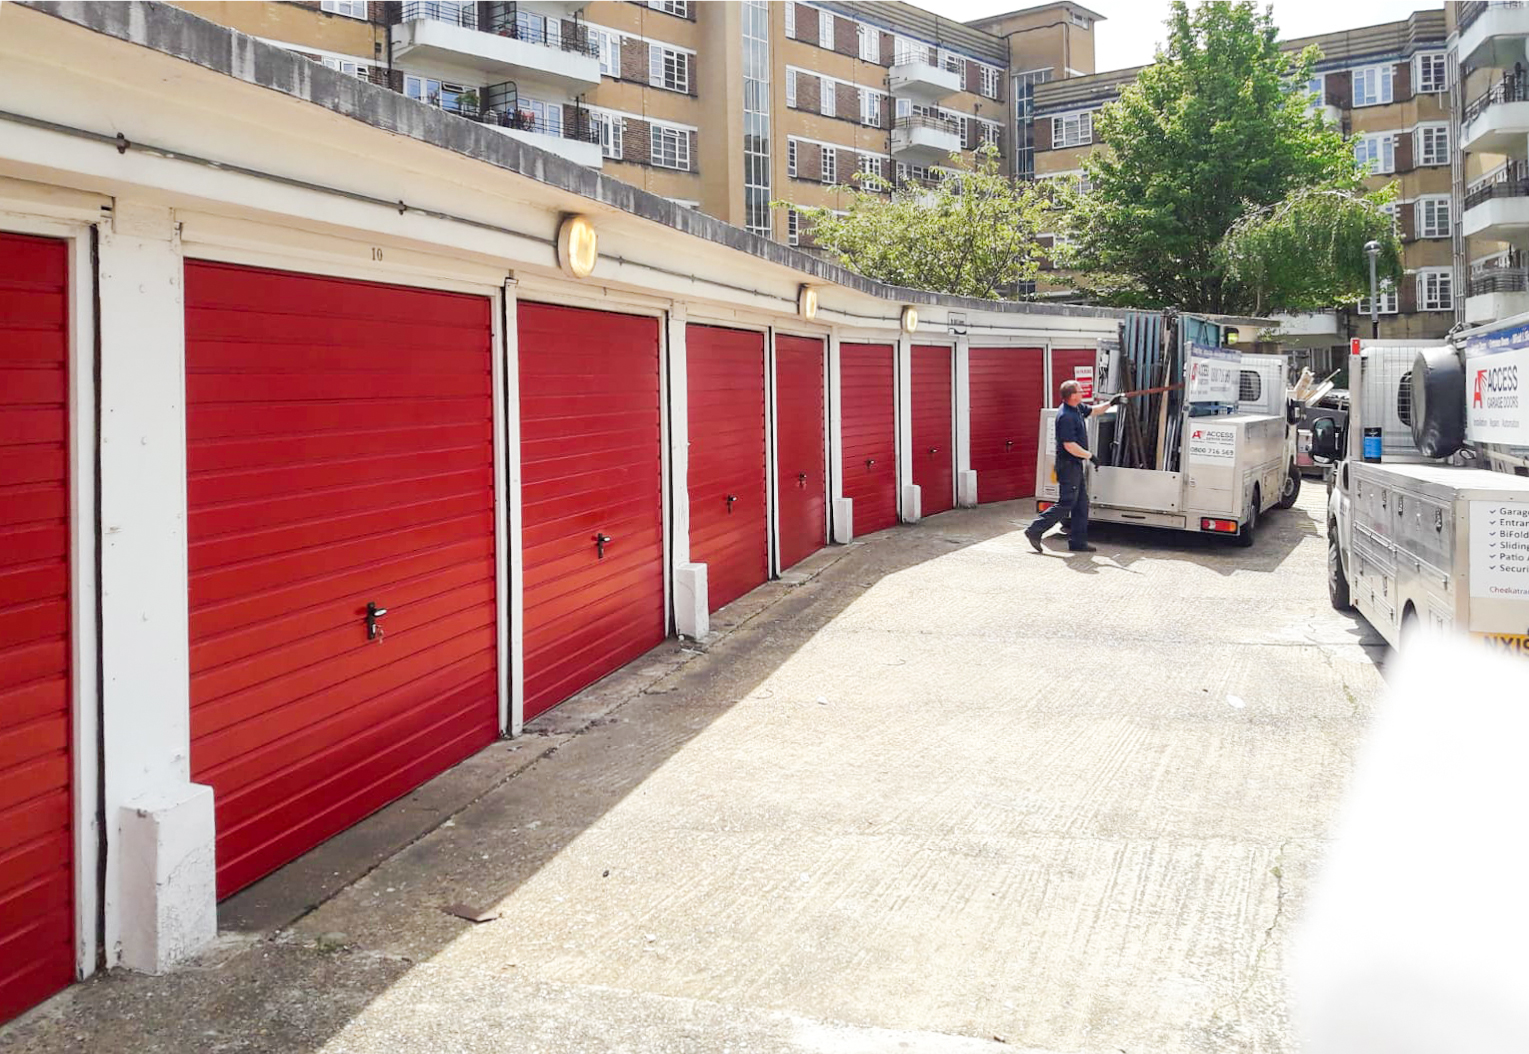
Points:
(1073, 501)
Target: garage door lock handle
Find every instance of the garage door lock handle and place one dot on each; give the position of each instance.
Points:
(1008, 444)
(869, 462)
(730, 499)
(934, 450)
(373, 625)
(801, 479)
(601, 541)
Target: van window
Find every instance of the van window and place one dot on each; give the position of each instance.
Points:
(1404, 399)
(1250, 388)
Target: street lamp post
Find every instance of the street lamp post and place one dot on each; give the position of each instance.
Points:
(1373, 249)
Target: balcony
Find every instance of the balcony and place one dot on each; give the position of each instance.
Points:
(922, 81)
(1492, 34)
(1496, 292)
(920, 140)
(1497, 122)
(1308, 324)
(1498, 209)
(504, 45)
(577, 139)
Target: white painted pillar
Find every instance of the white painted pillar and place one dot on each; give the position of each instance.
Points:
(160, 889)
(908, 491)
(841, 509)
(772, 452)
(692, 617)
(512, 603)
(966, 479)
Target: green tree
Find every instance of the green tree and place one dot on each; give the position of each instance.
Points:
(972, 234)
(1220, 188)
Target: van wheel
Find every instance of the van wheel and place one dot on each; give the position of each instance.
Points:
(1337, 581)
(1292, 489)
(1249, 526)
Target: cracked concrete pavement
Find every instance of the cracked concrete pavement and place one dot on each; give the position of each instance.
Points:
(933, 792)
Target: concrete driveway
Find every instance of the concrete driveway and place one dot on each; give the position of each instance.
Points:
(933, 793)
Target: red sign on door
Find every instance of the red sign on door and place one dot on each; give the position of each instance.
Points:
(1084, 375)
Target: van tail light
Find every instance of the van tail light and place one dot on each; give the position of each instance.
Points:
(1219, 526)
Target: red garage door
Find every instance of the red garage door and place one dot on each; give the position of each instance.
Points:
(802, 463)
(36, 835)
(1065, 363)
(590, 442)
(729, 503)
(870, 435)
(340, 456)
(934, 469)
(1007, 390)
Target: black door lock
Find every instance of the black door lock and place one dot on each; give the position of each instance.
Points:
(601, 541)
(373, 626)
(869, 462)
(934, 450)
(730, 499)
(801, 479)
(1008, 444)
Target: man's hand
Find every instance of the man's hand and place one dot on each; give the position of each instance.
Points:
(1120, 400)
(1093, 459)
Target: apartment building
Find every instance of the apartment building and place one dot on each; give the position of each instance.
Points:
(663, 93)
(1385, 87)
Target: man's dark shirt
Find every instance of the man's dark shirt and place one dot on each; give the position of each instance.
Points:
(1071, 427)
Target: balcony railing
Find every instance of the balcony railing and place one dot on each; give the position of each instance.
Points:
(578, 128)
(1514, 87)
(1498, 280)
(939, 124)
(506, 22)
(1469, 12)
(1512, 182)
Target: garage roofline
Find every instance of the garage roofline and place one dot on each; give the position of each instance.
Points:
(181, 35)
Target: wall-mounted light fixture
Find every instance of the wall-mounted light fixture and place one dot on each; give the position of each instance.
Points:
(806, 302)
(910, 318)
(1230, 335)
(578, 246)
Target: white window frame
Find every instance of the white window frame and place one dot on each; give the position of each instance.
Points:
(906, 49)
(1429, 72)
(825, 28)
(869, 42)
(793, 227)
(989, 79)
(548, 115)
(828, 166)
(950, 62)
(1437, 136)
(611, 132)
(790, 21)
(1432, 216)
(1081, 21)
(870, 165)
(1377, 85)
(791, 157)
(870, 107)
(664, 61)
(791, 89)
(680, 8)
(828, 98)
(1436, 289)
(608, 44)
(347, 8)
(1082, 124)
(1378, 150)
(347, 67)
(987, 132)
(659, 137)
(1390, 304)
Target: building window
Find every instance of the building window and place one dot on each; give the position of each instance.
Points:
(830, 165)
(1396, 222)
(348, 8)
(790, 21)
(870, 108)
(1433, 217)
(950, 62)
(756, 117)
(1376, 151)
(989, 81)
(353, 69)
(870, 165)
(666, 69)
(1024, 121)
(1433, 144)
(546, 117)
(1430, 71)
(793, 227)
(609, 127)
(1372, 85)
(987, 134)
(671, 7)
(828, 99)
(670, 147)
(791, 157)
(905, 51)
(1388, 304)
(791, 88)
(1434, 290)
(870, 42)
(1081, 21)
(826, 30)
(437, 93)
(1072, 129)
(609, 45)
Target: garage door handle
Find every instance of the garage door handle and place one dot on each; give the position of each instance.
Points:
(1008, 444)
(801, 479)
(601, 541)
(934, 450)
(373, 625)
(730, 499)
(869, 462)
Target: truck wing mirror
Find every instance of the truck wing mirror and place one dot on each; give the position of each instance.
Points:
(1325, 440)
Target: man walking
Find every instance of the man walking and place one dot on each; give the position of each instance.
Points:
(1071, 452)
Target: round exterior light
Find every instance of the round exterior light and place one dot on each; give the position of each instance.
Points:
(578, 246)
(807, 302)
(910, 319)
(1231, 336)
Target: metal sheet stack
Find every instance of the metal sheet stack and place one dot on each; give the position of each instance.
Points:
(1146, 427)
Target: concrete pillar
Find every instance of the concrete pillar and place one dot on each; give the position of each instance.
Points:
(512, 604)
(841, 509)
(772, 452)
(160, 890)
(907, 491)
(966, 479)
(692, 616)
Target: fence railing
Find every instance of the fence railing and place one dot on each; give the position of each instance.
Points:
(918, 120)
(1512, 182)
(507, 22)
(1498, 280)
(1514, 87)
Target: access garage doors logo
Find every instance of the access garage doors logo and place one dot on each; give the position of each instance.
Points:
(1495, 388)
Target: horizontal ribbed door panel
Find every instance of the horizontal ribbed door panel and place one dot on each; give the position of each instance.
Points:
(869, 433)
(340, 453)
(800, 457)
(1007, 390)
(933, 405)
(729, 501)
(590, 464)
(36, 831)
(1064, 363)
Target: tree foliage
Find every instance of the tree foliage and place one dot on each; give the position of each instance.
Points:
(1220, 188)
(972, 234)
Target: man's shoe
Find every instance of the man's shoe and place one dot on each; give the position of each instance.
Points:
(1082, 549)
(1034, 540)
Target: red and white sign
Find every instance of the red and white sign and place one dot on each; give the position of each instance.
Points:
(1084, 375)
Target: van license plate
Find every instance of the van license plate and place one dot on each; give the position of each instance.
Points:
(1518, 644)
